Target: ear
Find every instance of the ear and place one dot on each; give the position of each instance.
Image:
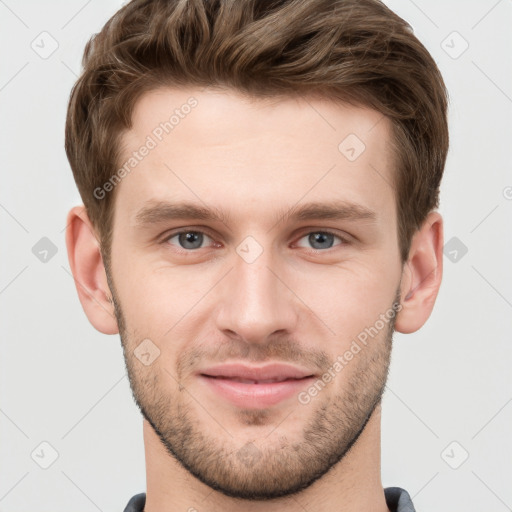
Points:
(89, 271)
(422, 274)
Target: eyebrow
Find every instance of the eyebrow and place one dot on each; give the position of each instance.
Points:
(156, 212)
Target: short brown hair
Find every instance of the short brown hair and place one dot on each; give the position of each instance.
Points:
(357, 51)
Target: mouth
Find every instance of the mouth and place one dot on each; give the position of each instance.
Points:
(251, 381)
(255, 387)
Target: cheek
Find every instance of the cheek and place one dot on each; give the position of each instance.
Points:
(348, 297)
(156, 300)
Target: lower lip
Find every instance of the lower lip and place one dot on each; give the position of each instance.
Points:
(246, 395)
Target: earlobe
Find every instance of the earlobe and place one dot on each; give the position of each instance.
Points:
(422, 274)
(89, 272)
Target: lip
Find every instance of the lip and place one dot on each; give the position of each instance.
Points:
(255, 386)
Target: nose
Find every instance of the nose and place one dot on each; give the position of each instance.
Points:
(255, 303)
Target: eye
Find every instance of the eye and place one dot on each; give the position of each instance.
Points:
(320, 240)
(188, 240)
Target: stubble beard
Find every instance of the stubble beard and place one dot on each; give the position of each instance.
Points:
(252, 471)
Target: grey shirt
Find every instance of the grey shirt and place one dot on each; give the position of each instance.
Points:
(397, 500)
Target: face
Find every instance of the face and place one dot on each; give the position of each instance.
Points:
(255, 272)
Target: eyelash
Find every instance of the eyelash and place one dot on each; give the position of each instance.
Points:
(344, 241)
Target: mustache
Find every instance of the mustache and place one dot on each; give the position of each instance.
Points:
(280, 350)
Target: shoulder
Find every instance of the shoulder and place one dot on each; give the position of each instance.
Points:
(398, 500)
(136, 504)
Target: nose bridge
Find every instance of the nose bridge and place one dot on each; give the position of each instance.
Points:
(255, 303)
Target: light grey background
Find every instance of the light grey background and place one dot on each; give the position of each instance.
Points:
(64, 383)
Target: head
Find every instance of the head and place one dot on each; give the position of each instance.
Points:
(260, 182)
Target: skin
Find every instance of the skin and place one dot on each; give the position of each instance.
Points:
(256, 160)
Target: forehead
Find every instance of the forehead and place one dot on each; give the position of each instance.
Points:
(228, 150)
(219, 115)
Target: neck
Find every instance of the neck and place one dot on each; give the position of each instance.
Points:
(354, 484)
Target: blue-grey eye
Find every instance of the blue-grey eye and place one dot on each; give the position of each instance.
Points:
(189, 239)
(320, 240)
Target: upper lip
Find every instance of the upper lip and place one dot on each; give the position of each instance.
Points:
(274, 371)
